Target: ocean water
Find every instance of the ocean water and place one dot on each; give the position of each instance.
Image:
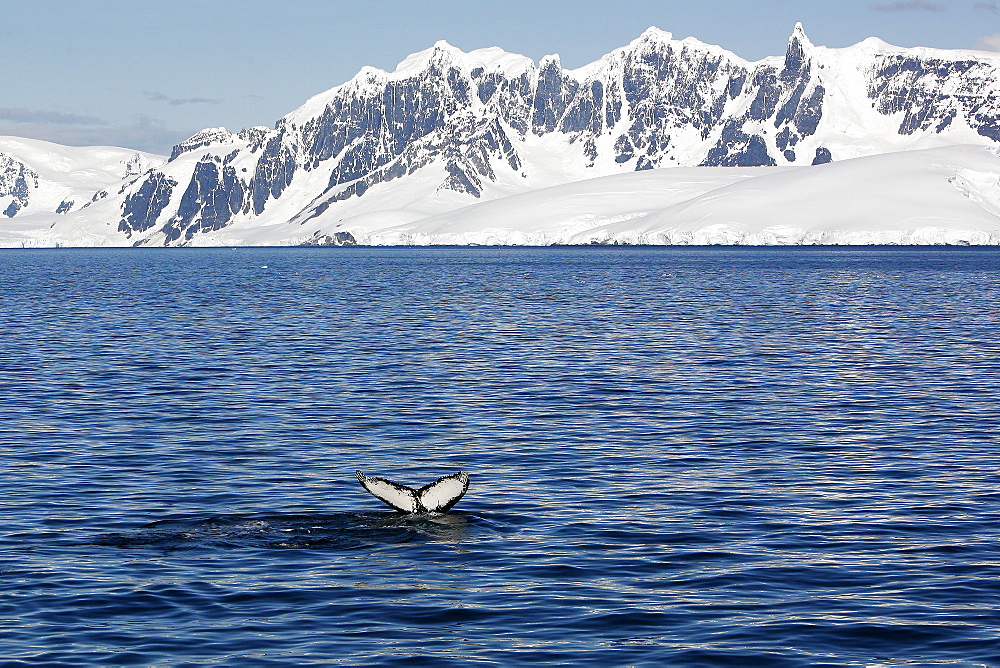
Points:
(703, 456)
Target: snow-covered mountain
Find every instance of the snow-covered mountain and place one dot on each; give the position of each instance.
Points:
(42, 177)
(388, 157)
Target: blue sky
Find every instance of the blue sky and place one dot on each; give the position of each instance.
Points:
(148, 74)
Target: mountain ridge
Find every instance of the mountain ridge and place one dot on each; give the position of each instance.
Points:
(449, 128)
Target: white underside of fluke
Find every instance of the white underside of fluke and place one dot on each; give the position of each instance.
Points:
(437, 497)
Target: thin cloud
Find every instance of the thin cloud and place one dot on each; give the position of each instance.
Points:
(154, 96)
(907, 6)
(41, 116)
(988, 6)
(989, 42)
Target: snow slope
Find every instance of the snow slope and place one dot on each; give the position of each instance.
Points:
(563, 213)
(946, 195)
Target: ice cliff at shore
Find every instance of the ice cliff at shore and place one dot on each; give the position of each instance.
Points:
(424, 155)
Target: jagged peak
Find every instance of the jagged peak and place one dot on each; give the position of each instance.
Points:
(418, 62)
(315, 105)
(798, 53)
(490, 58)
(650, 36)
(656, 38)
(493, 59)
(205, 137)
(367, 74)
(796, 61)
(212, 132)
(799, 38)
(652, 33)
(799, 34)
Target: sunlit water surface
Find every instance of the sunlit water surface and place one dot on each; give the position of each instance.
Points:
(775, 457)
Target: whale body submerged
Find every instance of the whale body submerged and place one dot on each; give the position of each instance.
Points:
(437, 497)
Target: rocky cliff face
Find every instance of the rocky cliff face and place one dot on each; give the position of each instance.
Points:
(17, 180)
(472, 121)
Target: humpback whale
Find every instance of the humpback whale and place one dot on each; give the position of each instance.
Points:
(437, 497)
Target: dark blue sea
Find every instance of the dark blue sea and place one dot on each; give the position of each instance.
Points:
(691, 457)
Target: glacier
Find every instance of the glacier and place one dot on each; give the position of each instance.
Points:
(662, 141)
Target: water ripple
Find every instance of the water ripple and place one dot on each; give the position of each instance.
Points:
(773, 457)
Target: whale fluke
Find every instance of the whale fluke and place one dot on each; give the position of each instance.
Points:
(437, 497)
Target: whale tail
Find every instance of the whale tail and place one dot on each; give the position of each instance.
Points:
(437, 497)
